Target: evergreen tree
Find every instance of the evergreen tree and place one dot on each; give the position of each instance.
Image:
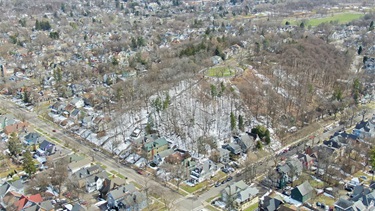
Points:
(28, 163)
(14, 145)
(359, 50)
(26, 98)
(232, 121)
(371, 26)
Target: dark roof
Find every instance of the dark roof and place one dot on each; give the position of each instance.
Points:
(32, 136)
(304, 188)
(271, 204)
(343, 203)
(45, 144)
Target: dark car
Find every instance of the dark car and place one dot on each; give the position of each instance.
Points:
(229, 179)
(223, 182)
(350, 189)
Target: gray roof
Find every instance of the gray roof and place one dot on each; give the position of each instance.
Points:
(223, 152)
(47, 205)
(94, 177)
(78, 207)
(4, 189)
(248, 193)
(343, 203)
(122, 191)
(17, 184)
(32, 208)
(236, 187)
(305, 188)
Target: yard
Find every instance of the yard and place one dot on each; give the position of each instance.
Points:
(252, 207)
(341, 18)
(324, 199)
(220, 72)
(197, 187)
(363, 177)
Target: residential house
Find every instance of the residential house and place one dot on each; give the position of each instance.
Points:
(154, 147)
(68, 110)
(271, 203)
(5, 120)
(77, 165)
(234, 148)
(91, 178)
(241, 194)
(33, 140)
(16, 186)
(48, 147)
(291, 169)
(302, 192)
(8, 202)
(109, 185)
(87, 121)
(77, 102)
(75, 114)
(204, 171)
(224, 157)
(58, 107)
(16, 127)
(347, 205)
(307, 160)
(245, 141)
(114, 197)
(28, 201)
(95, 182)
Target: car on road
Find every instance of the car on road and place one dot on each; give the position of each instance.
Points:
(96, 149)
(217, 184)
(53, 130)
(140, 172)
(229, 179)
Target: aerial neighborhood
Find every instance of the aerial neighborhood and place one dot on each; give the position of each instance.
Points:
(187, 105)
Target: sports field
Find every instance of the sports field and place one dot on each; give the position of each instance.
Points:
(341, 18)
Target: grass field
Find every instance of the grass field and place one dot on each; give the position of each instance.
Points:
(197, 187)
(252, 207)
(220, 72)
(341, 18)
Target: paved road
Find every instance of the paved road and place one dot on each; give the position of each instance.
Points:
(187, 203)
(83, 148)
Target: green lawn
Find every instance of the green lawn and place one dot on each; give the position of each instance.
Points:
(211, 208)
(252, 207)
(137, 185)
(212, 198)
(190, 189)
(220, 72)
(341, 18)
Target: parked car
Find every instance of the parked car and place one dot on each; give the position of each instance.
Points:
(229, 179)
(217, 184)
